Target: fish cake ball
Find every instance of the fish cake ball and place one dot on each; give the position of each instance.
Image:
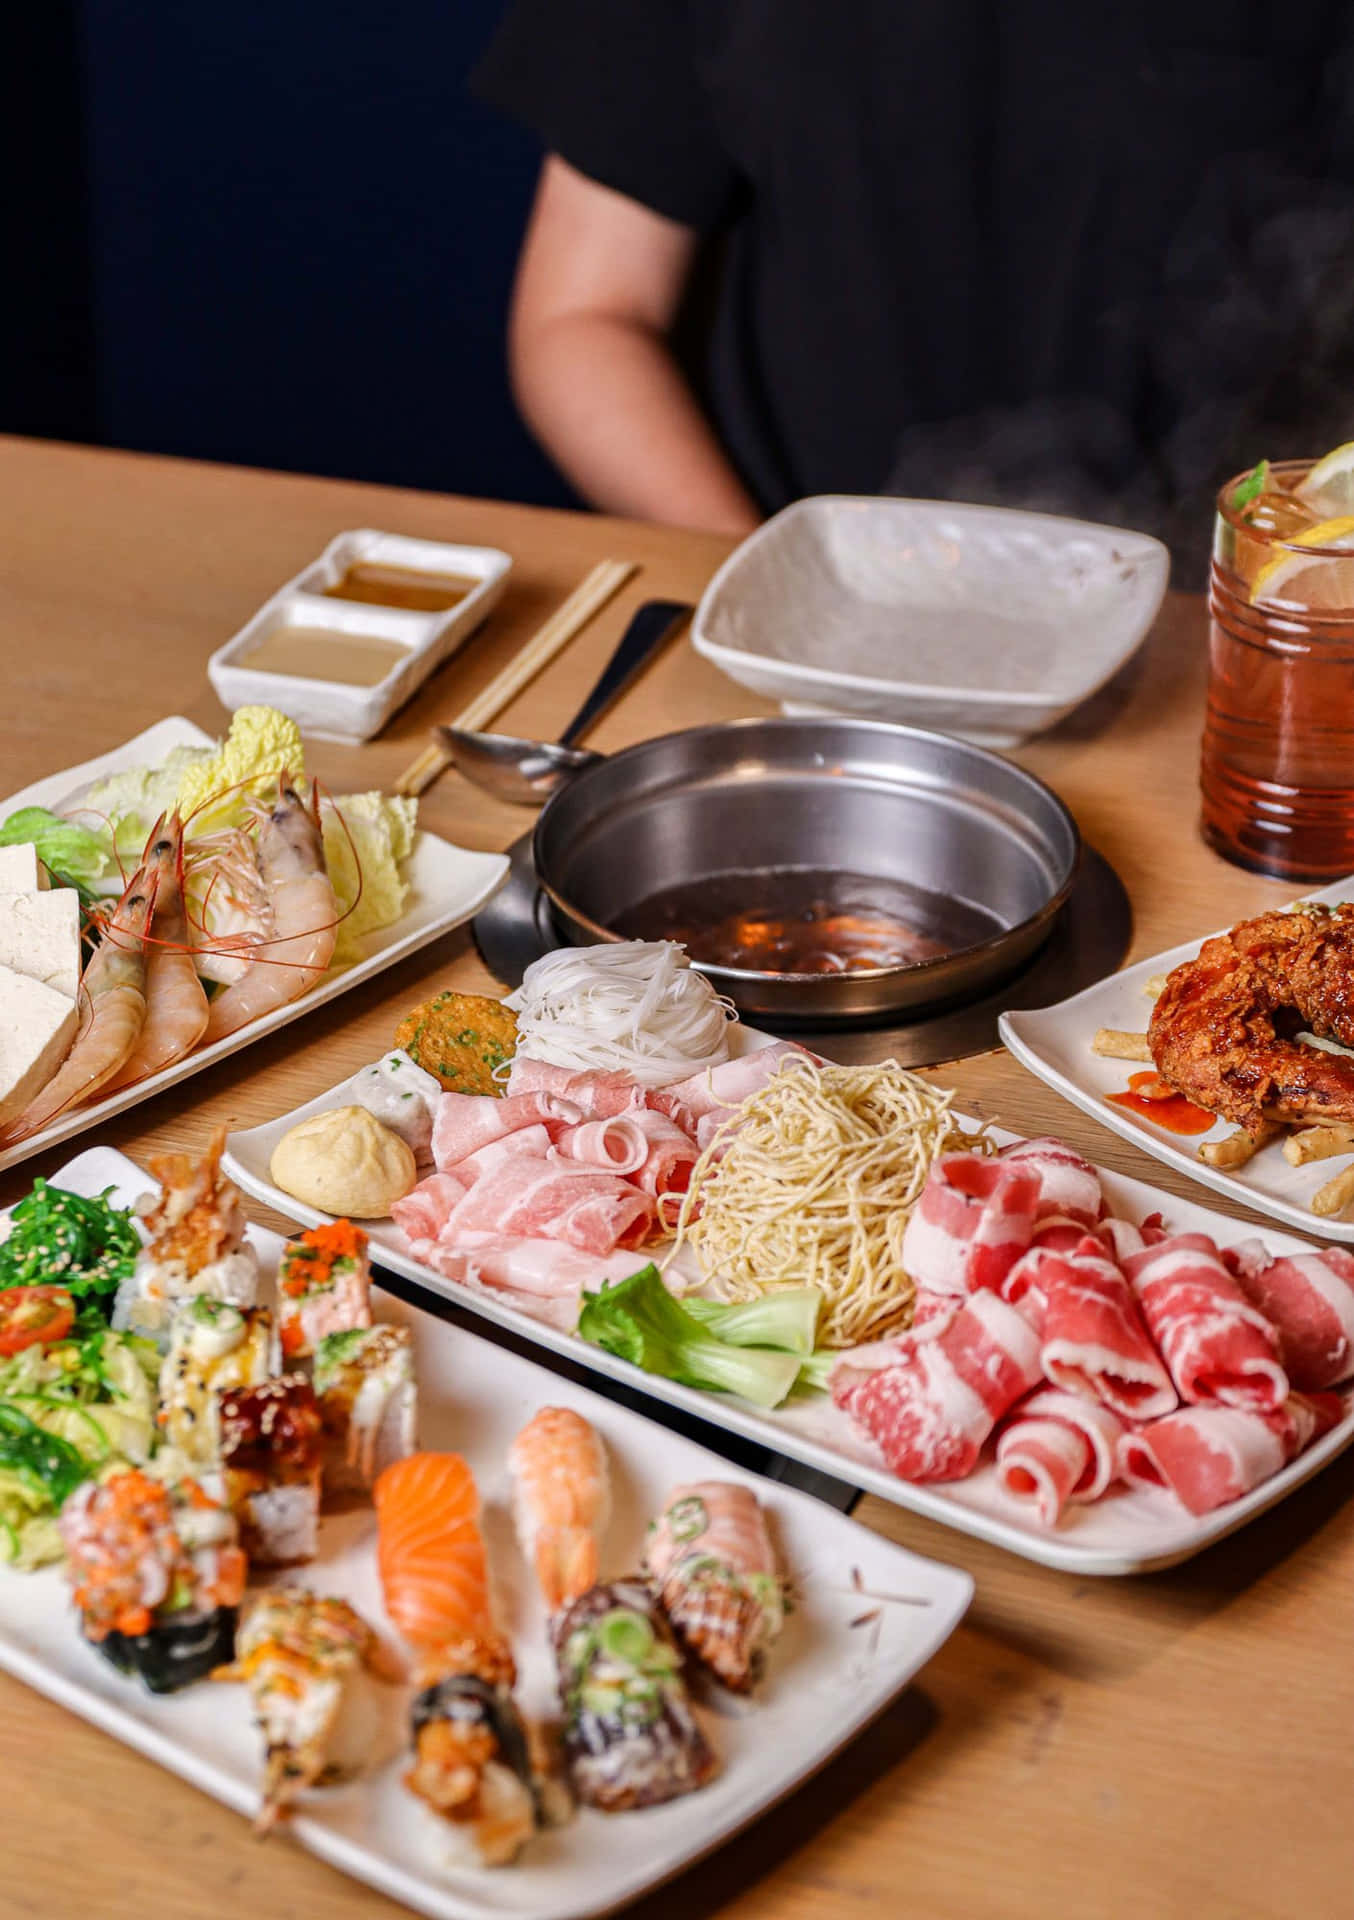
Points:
(344, 1162)
(460, 1038)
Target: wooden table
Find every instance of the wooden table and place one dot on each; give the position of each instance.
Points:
(1174, 1745)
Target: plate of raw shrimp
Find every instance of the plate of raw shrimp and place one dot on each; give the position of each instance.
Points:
(148, 1014)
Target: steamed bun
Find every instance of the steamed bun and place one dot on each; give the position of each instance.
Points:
(344, 1162)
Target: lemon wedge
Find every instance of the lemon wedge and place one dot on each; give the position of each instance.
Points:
(1329, 487)
(1313, 581)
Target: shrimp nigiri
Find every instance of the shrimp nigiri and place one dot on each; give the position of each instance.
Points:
(710, 1560)
(471, 1754)
(563, 1501)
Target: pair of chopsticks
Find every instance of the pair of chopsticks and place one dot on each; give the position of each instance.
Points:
(588, 597)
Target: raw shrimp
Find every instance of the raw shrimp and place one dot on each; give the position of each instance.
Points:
(112, 1011)
(1222, 1030)
(227, 905)
(304, 916)
(176, 1003)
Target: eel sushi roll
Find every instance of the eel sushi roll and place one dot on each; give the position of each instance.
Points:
(709, 1558)
(368, 1399)
(156, 1573)
(270, 1465)
(309, 1662)
(630, 1736)
(323, 1287)
(196, 1244)
(471, 1768)
(212, 1345)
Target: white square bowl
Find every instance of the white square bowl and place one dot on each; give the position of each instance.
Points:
(979, 621)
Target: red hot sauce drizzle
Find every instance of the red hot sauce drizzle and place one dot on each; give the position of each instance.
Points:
(1150, 1098)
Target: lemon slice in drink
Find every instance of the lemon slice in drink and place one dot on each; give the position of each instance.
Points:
(1312, 581)
(1329, 487)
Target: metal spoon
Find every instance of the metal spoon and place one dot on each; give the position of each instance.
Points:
(527, 772)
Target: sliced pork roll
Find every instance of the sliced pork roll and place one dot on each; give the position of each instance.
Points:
(1220, 1350)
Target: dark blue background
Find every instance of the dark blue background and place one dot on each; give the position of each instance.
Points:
(271, 232)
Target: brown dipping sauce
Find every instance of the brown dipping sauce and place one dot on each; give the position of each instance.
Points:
(325, 653)
(807, 920)
(376, 585)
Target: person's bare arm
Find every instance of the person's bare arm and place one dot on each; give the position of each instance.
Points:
(598, 285)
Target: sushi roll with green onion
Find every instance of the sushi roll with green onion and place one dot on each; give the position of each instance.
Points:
(364, 1382)
(323, 1287)
(156, 1573)
(212, 1345)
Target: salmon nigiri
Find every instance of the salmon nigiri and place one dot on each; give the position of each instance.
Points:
(563, 1501)
(430, 1551)
(472, 1764)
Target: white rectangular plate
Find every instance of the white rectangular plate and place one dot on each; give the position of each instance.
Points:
(1055, 1043)
(447, 884)
(825, 1678)
(1127, 1532)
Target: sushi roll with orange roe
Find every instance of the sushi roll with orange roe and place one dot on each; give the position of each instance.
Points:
(472, 1765)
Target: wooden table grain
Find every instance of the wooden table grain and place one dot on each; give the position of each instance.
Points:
(1176, 1745)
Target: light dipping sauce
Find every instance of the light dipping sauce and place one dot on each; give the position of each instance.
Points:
(806, 920)
(417, 592)
(325, 653)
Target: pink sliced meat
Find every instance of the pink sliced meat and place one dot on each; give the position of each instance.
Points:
(538, 1277)
(1069, 1187)
(1208, 1456)
(933, 1312)
(618, 1144)
(1095, 1341)
(671, 1154)
(465, 1122)
(528, 1143)
(422, 1213)
(532, 1199)
(1308, 1298)
(1219, 1349)
(929, 1405)
(715, 1093)
(972, 1223)
(1058, 1448)
(598, 1095)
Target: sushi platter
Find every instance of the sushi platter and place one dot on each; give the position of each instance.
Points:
(826, 1676)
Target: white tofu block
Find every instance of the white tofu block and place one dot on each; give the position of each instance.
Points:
(37, 1025)
(40, 936)
(20, 869)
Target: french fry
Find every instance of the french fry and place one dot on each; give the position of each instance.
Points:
(1154, 985)
(1317, 1143)
(1237, 1150)
(1335, 1196)
(1113, 1044)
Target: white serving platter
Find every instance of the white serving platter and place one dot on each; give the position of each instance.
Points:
(1055, 1043)
(447, 885)
(1125, 1533)
(826, 1678)
(334, 710)
(984, 622)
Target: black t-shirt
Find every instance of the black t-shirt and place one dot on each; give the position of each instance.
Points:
(1090, 258)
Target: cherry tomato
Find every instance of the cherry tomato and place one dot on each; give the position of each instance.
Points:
(33, 1316)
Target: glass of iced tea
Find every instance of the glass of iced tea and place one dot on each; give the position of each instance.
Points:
(1277, 771)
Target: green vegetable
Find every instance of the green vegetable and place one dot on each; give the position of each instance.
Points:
(1250, 487)
(47, 1463)
(638, 1320)
(786, 1319)
(367, 838)
(625, 1635)
(85, 1245)
(334, 1350)
(813, 1373)
(75, 856)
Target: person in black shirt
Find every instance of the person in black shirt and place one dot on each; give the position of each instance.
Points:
(1088, 259)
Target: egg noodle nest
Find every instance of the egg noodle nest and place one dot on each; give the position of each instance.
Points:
(811, 1183)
